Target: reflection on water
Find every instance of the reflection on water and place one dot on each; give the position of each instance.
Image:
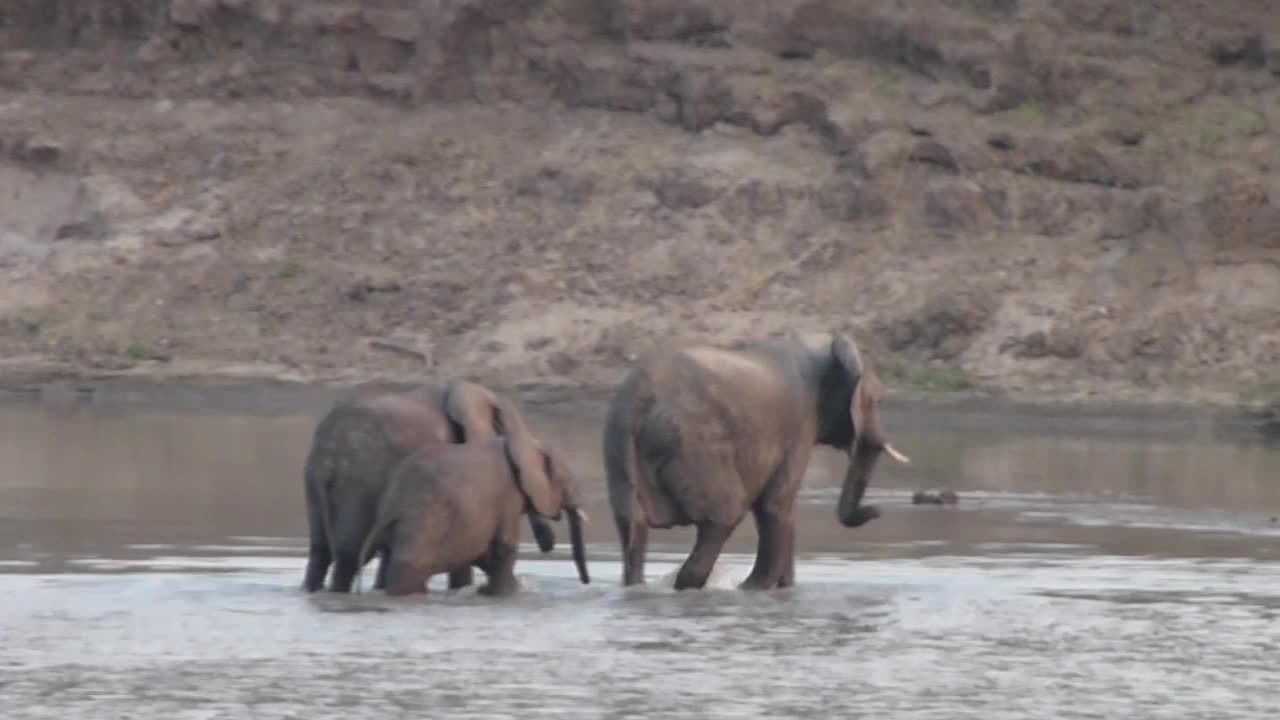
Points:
(149, 564)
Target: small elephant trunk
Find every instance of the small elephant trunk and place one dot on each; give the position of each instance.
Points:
(850, 510)
(576, 520)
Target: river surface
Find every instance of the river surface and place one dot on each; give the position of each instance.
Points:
(150, 560)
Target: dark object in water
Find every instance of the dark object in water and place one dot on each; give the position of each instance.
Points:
(1267, 421)
(946, 497)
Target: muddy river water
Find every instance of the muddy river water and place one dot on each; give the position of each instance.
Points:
(150, 558)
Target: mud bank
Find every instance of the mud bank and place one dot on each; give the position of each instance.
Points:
(981, 414)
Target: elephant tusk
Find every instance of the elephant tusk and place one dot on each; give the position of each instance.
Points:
(893, 453)
(582, 515)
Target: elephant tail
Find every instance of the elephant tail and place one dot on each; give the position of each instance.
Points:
(319, 473)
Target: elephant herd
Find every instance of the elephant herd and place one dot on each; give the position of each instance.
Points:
(439, 479)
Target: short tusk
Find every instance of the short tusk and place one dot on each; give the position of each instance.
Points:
(582, 515)
(893, 453)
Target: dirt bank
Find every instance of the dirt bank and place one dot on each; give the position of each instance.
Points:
(1076, 198)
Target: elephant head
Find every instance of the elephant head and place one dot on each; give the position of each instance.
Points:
(851, 418)
(474, 412)
(548, 485)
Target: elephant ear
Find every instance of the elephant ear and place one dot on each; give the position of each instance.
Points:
(865, 399)
(472, 411)
(533, 472)
(845, 351)
(862, 407)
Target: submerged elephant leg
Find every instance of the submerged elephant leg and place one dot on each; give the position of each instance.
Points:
(318, 560)
(698, 566)
(384, 559)
(344, 571)
(765, 572)
(502, 561)
(787, 554)
(351, 523)
(461, 577)
(406, 579)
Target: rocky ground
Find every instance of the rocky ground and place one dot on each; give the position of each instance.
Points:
(1071, 199)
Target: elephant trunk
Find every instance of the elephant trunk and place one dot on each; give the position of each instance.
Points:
(542, 531)
(577, 518)
(849, 509)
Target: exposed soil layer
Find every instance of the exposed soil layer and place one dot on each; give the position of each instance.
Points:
(1074, 199)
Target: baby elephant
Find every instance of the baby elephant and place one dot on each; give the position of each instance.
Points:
(460, 506)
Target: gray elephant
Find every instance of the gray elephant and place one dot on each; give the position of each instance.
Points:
(459, 506)
(357, 445)
(701, 435)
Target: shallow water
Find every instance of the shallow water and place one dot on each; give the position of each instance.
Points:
(150, 561)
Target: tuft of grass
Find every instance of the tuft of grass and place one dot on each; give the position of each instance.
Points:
(1212, 135)
(887, 82)
(28, 325)
(1031, 111)
(921, 377)
(97, 316)
(289, 270)
(1252, 123)
(1268, 392)
(137, 353)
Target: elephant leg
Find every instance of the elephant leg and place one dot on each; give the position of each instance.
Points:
(406, 579)
(344, 571)
(384, 559)
(351, 523)
(774, 513)
(697, 567)
(769, 531)
(788, 554)
(461, 577)
(502, 561)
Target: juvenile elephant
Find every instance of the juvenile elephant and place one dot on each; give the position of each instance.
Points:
(459, 506)
(357, 445)
(701, 435)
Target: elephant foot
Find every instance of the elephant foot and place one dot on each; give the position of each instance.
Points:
(706, 548)
(495, 588)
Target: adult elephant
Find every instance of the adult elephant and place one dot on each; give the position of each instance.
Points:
(356, 446)
(700, 435)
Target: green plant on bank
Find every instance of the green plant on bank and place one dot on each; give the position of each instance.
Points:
(887, 82)
(1215, 130)
(1252, 123)
(289, 270)
(22, 325)
(1031, 111)
(922, 377)
(137, 353)
(1211, 135)
(1268, 392)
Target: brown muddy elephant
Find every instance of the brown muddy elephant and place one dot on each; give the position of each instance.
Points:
(458, 506)
(701, 435)
(357, 445)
